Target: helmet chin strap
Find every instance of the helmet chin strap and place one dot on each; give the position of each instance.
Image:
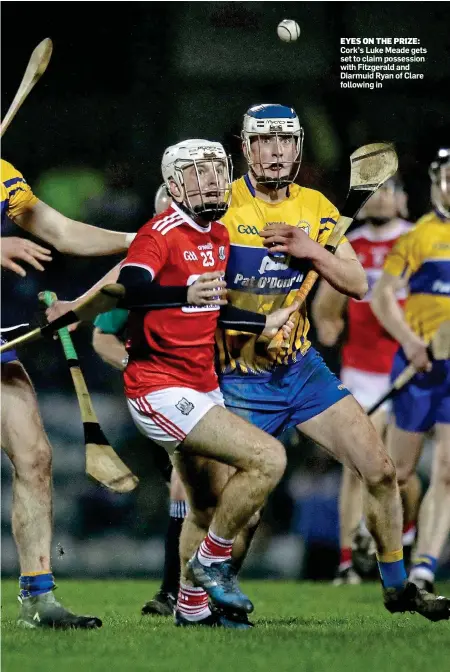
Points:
(271, 184)
(207, 212)
(210, 212)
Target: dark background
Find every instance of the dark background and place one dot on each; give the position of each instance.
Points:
(126, 80)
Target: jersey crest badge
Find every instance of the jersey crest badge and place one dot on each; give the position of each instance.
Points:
(184, 406)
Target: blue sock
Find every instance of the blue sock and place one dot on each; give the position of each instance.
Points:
(427, 561)
(392, 569)
(36, 584)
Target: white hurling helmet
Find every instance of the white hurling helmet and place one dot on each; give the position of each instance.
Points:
(162, 199)
(439, 173)
(193, 153)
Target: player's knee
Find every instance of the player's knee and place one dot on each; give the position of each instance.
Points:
(273, 462)
(382, 475)
(404, 471)
(34, 465)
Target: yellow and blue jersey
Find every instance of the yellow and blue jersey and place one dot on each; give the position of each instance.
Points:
(16, 195)
(422, 256)
(261, 282)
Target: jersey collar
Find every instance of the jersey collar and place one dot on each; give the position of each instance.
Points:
(185, 217)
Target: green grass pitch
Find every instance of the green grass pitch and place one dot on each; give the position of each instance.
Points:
(302, 627)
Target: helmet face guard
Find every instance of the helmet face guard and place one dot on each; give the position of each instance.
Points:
(209, 210)
(200, 154)
(439, 173)
(279, 122)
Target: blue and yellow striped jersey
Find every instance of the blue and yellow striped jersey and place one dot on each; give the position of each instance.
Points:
(263, 283)
(16, 193)
(423, 257)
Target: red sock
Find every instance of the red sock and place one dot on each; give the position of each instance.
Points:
(214, 549)
(192, 603)
(346, 558)
(409, 534)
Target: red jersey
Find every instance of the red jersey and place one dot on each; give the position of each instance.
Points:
(177, 343)
(369, 347)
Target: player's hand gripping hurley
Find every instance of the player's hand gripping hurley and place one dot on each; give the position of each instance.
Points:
(102, 301)
(102, 463)
(370, 167)
(36, 67)
(438, 348)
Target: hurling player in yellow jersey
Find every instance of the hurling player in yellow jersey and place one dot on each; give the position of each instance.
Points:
(276, 229)
(420, 262)
(23, 435)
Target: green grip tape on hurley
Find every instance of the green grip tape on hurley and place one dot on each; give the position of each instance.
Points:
(64, 335)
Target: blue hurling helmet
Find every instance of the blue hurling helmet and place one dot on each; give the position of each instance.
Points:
(274, 120)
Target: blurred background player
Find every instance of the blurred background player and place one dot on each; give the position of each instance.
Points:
(109, 343)
(23, 436)
(367, 353)
(277, 230)
(420, 263)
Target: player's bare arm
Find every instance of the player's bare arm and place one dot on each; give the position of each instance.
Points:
(14, 248)
(327, 310)
(59, 308)
(342, 270)
(109, 348)
(69, 236)
(388, 311)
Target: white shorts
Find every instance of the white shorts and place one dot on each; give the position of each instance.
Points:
(365, 386)
(167, 416)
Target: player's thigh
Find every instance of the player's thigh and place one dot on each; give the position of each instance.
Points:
(380, 420)
(23, 434)
(404, 447)
(367, 388)
(345, 431)
(223, 436)
(203, 479)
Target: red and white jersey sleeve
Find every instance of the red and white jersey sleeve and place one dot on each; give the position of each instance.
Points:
(369, 347)
(148, 250)
(174, 347)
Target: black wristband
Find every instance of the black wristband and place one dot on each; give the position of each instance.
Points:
(142, 292)
(241, 320)
(156, 296)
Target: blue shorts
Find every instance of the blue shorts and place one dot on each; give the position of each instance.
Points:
(425, 401)
(10, 355)
(286, 397)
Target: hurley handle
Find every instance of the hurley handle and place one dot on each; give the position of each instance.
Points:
(48, 298)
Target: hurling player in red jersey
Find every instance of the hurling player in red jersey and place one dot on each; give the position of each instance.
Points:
(367, 354)
(171, 386)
